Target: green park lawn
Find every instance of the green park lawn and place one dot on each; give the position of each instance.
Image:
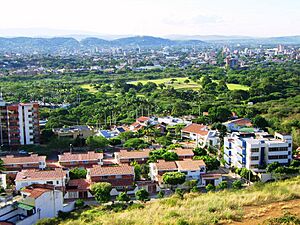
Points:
(179, 83)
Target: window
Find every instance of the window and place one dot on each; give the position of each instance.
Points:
(254, 149)
(57, 182)
(118, 176)
(254, 158)
(278, 156)
(49, 182)
(278, 149)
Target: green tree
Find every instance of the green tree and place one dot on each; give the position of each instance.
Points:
(97, 142)
(260, 122)
(123, 197)
(77, 173)
(101, 191)
(137, 170)
(173, 178)
(272, 166)
(142, 195)
(135, 143)
(164, 141)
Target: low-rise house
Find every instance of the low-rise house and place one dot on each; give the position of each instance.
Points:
(14, 164)
(78, 131)
(82, 160)
(184, 153)
(36, 202)
(78, 189)
(201, 135)
(140, 123)
(57, 177)
(125, 156)
(157, 169)
(238, 124)
(172, 121)
(193, 169)
(121, 177)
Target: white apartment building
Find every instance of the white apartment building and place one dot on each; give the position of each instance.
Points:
(254, 151)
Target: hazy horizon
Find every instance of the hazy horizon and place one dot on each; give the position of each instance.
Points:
(161, 18)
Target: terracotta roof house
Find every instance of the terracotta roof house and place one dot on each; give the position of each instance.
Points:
(125, 156)
(14, 164)
(85, 160)
(201, 135)
(121, 176)
(57, 177)
(184, 153)
(78, 188)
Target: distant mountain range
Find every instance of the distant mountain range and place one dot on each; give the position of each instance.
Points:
(70, 44)
(59, 44)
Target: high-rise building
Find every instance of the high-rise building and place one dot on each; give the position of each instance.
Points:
(19, 123)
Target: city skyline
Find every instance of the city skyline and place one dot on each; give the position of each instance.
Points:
(157, 18)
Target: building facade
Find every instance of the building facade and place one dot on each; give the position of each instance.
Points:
(255, 151)
(19, 123)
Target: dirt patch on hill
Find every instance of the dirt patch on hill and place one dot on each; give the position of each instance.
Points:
(254, 215)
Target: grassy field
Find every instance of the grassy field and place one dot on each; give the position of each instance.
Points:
(179, 83)
(89, 88)
(224, 207)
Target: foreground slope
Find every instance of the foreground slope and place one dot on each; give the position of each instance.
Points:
(222, 207)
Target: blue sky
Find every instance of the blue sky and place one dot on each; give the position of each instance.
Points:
(155, 17)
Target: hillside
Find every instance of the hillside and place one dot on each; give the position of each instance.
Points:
(255, 204)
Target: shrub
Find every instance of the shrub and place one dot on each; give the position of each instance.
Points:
(79, 203)
(210, 187)
(123, 197)
(237, 184)
(101, 191)
(223, 185)
(142, 195)
(179, 193)
(160, 194)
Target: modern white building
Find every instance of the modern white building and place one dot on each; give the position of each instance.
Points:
(255, 151)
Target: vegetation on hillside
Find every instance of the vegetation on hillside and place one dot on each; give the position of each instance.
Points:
(211, 208)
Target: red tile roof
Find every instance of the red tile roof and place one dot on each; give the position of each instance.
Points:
(36, 192)
(68, 157)
(143, 119)
(241, 122)
(196, 129)
(79, 184)
(40, 175)
(190, 164)
(183, 151)
(124, 154)
(162, 165)
(10, 159)
(111, 170)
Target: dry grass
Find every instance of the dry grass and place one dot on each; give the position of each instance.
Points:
(221, 207)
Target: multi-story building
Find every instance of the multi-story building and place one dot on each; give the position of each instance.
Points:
(256, 150)
(19, 123)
